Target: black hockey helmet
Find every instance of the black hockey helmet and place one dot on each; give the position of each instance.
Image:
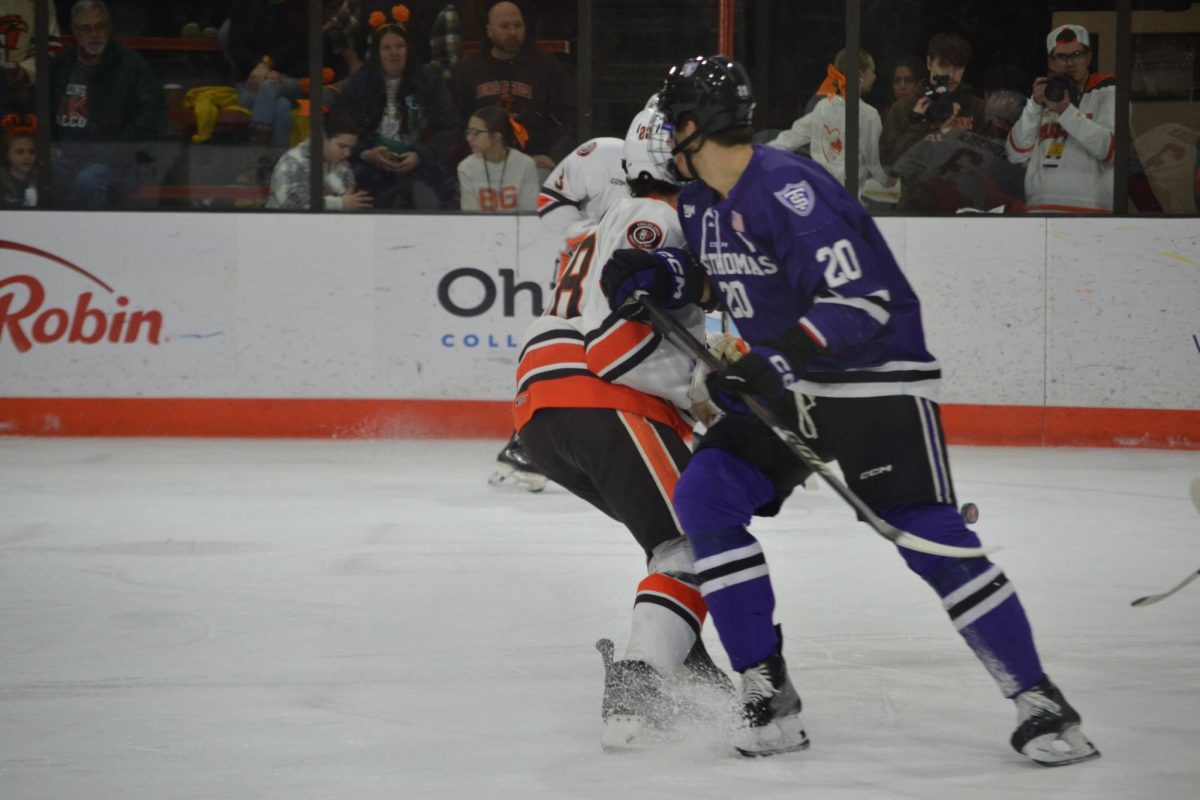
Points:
(713, 89)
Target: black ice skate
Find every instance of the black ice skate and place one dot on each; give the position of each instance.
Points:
(515, 470)
(770, 710)
(1048, 729)
(634, 706)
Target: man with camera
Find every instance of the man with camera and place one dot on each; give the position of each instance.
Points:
(916, 145)
(1065, 133)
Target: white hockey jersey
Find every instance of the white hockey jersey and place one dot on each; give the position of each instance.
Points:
(823, 130)
(1070, 157)
(582, 187)
(580, 354)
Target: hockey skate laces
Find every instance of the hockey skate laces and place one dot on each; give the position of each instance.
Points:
(756, 685)
(804, 403)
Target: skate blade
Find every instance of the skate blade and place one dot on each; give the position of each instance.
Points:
(507, 477)
(785, 735)
(627, 733)
(1069, 746)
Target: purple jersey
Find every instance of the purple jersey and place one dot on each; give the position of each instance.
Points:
(789, 246)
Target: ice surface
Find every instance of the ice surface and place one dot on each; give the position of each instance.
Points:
(350, 619)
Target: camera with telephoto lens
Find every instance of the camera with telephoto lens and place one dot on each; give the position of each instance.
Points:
(1059, 87)
(937, 89)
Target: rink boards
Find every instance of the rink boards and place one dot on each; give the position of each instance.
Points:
(1050, 331)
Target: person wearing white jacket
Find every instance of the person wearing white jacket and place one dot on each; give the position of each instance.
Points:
(823, 128)
(1065, 133)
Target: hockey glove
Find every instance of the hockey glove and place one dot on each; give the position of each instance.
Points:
(765, 372)
(669, 277)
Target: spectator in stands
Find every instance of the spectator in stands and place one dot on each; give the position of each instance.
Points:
(289, 181)
(497, 176)
(822, 129)
(1065, 135)
(267, 42)
(18, 64)
(350, 37)
(944, 104)
(107, 104)
(907, 75)
(407, 120)
(512, 74)
(20, 157)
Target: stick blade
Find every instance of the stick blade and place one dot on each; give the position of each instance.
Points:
(1154, 598)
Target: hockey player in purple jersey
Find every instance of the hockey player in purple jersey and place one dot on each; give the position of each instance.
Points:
(838, 349)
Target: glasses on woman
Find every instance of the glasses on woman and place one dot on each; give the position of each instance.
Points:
(1069, 58)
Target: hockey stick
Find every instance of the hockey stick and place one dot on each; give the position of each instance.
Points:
(1154, 598)
(672, 330)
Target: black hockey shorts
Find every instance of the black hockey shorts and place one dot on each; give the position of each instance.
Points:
(622, 463)
(891, 449)
(749, 438)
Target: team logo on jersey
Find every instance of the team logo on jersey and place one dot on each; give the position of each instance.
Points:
(797, 197)
(587, 148)
(644, 235)
(689, 210)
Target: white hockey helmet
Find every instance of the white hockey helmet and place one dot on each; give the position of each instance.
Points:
(648, 147)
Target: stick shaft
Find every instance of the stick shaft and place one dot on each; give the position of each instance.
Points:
(671, 328)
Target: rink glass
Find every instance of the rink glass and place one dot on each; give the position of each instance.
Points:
(617, 51)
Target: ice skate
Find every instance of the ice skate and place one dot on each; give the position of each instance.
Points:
(634, 708)
(515, 470)
(1048, 729)
(770, 711)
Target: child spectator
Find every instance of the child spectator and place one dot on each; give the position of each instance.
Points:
(20, 157)
(497, 176)
(289, 180)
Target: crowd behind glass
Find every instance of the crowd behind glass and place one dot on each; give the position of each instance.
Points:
(433, 106)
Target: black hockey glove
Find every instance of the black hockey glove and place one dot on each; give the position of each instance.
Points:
(766, 371)
(670, 277)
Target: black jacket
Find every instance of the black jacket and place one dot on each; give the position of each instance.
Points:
(124, 98)
(427, 113)
(534, 87)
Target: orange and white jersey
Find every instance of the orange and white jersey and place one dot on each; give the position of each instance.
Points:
(580, 354)
(582, 187)
(1070, 157)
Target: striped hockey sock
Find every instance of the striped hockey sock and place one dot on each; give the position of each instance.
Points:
(979, 598)
(737, 587)
(983, 605)
(667, 615)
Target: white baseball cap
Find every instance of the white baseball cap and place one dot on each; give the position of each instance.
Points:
(1068, 33)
